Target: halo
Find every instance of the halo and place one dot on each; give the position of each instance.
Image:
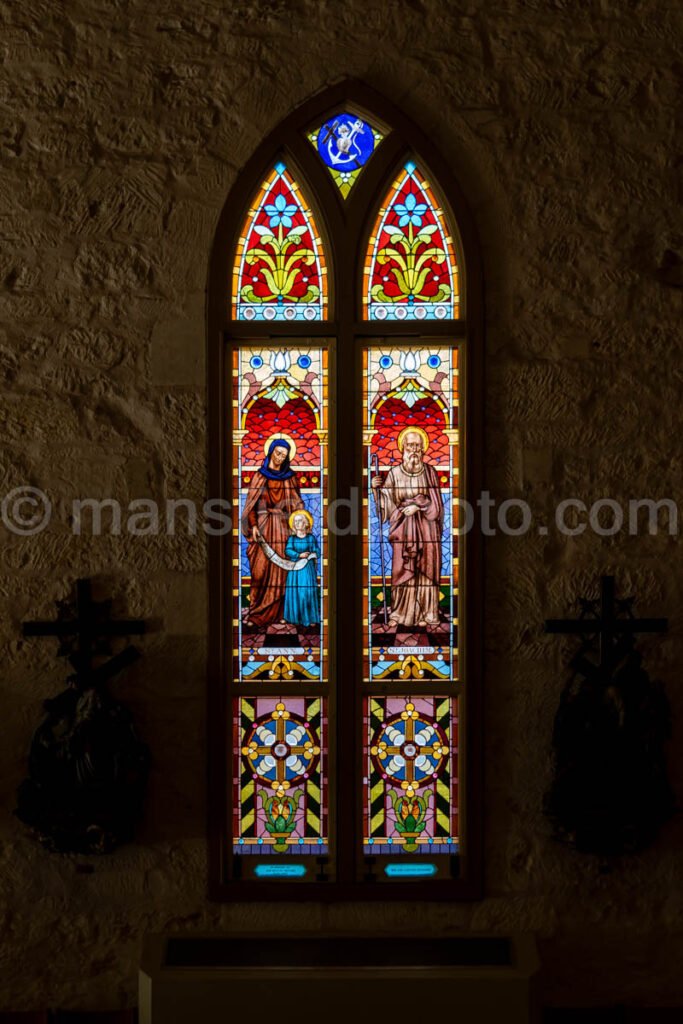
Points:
(301, 512)
(413, 430)
(281, 437)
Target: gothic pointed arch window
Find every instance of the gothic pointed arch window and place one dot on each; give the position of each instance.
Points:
(344, 376)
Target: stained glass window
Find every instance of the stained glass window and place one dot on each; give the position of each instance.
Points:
(280, 436)
(410, 608)
(345, 143)
(280, 601)
(410, 783)
(280, 791)
(410, 418)
(279, 270)
(410, 271)
(347, 680)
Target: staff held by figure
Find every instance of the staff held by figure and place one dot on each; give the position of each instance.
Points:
(376, 488)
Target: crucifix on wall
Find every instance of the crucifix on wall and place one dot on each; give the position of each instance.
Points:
(610, 792)
(87, 766)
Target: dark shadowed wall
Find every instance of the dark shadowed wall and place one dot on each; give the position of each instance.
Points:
(122, 127)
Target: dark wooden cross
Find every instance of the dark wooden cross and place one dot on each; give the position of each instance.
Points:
(612, 622)
(331, 132)
(90, 629)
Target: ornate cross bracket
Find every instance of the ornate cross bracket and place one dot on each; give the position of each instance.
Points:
(611, 622)
(85, 637)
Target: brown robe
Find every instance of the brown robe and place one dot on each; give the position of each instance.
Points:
(269, 505)
(415, 542)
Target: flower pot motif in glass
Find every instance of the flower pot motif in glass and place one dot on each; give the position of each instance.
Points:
(345, 143)
(410, 814)
(279, 271)
(410, 803)
(280, 792)
(280, 812)
(410, 268)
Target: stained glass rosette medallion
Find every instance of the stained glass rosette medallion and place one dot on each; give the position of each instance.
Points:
(279, 780)
(410, 271)
(279, 272)
(280, 589)
(410, 541)
(345, 143)
(410, 776)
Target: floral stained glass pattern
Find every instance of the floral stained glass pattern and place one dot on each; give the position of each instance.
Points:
(345, 143)
(401, 764)
(279, 271)
(280, 788)
(410, 776)
(410, 271)
(280, 446)
(410, 542)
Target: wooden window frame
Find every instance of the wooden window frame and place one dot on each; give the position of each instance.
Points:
(344, 225)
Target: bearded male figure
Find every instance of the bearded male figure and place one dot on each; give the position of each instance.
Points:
(410, 500)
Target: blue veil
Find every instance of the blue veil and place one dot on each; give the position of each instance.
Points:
(284, 472)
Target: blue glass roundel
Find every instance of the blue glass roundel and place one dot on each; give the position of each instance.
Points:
(256, 362)
(434, 362)
(385, 362)
(345, 142)
(304, 362)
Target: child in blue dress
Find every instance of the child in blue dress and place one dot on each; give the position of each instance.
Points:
(302, 597)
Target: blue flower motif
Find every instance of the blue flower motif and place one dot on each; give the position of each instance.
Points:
(410, 212)
(280, 212)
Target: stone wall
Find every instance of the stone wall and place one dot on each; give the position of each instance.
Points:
(122, 127)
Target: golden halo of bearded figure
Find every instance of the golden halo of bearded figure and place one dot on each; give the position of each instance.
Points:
(413, 430)
(281, 437)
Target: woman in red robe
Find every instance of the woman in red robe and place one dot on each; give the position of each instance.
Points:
(273, 496)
